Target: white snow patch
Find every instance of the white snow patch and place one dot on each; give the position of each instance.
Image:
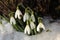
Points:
(13, 35)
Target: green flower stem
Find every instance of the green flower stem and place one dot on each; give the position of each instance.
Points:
(27, 22)
(20, 4)
(39, 19)
(32, 32)
(21, 23)
(5, 17)
(35, 31)
(17, 7)
(32, 13)
(11, 14)
(14, 26)
(27, 10)
(20, 28)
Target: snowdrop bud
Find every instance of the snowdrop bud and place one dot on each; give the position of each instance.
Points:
(12, 20)
(18, 14)
(40, 25)
(32, 25)
(26, 17)
(32, 17)
(27, 29)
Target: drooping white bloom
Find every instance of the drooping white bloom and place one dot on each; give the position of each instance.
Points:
(18, 14)
(26, 17)
(32, 25)
(12, 20)
(40, 25)
(32, 17)
(2, 29)
(27, 29)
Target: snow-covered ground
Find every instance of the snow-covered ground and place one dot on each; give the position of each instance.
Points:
(53, 34)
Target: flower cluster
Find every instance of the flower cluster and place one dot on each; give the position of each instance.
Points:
(26, 23)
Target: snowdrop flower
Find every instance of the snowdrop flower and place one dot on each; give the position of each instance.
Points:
(18, 14)
(40, 25)
(12, 20)
(26, 17)
(32, 25)
(32, 17)
(27, 29)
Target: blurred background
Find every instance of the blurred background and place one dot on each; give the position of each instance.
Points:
(41, 7)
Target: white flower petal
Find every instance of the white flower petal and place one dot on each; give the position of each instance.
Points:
(15, 15)
(27, 29)
(38, 29)
(29, 32)
(19, 17)
(40, 25)
(32, 25)
(12, 20)
(26, 17)
(18, 14)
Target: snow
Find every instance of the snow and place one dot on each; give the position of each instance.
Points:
(53, 34)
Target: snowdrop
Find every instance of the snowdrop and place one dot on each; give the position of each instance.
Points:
(26, 17)
(40, 25)
(18, 14)
(12, 20)
(32, 25)
(32, 17)
(27, 29)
